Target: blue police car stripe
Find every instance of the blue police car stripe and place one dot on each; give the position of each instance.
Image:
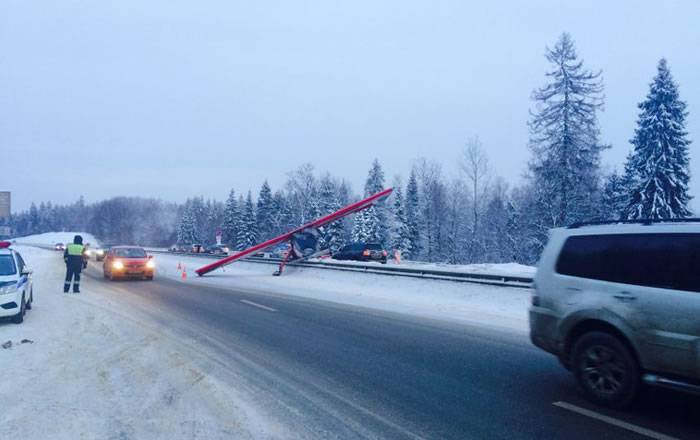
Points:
(22, 281)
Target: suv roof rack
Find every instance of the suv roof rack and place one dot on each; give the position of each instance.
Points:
(643, 221)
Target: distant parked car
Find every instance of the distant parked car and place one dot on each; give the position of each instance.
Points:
(128, 262)
(197, 248)
(619, 305)
(59, 247)
(99, 253)
(178, 248)
(362, 252)
(217, 249)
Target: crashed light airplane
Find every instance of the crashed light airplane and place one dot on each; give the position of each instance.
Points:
(303, 240)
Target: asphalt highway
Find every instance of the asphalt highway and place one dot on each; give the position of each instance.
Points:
(334, 371)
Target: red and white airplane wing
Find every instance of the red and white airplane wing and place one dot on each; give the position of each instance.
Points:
(350, 209)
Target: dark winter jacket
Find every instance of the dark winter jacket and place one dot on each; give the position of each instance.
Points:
(74, 255)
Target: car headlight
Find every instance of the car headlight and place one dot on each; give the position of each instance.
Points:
(100, 252)
(88, 252)
(118, 265)
(8, 288)
(151, 264)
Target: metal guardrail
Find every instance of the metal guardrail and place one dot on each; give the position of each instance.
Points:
(432, 274)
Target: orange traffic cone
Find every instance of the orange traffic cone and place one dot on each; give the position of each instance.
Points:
(179, 266)
(184, 273)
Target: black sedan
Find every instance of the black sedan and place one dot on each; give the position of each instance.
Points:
(362, 252)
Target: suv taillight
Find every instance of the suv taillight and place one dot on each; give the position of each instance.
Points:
(366, 253)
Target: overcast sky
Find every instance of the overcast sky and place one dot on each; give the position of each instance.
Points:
(174, 99)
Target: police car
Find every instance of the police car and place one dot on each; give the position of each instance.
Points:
(15, 284)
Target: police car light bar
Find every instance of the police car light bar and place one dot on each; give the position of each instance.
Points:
(5, 244)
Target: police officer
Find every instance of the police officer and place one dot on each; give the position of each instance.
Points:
(76, 260)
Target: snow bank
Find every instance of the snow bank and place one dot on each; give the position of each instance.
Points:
(507, 269)
(51, 238)
(94, 370)
(501, 307)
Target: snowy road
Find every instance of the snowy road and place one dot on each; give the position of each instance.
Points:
(254, 361)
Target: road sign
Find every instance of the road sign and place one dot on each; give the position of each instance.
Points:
(5, 205)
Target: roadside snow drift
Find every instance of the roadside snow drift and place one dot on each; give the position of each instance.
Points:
(90, 369)
(504, 307)
(51, 238)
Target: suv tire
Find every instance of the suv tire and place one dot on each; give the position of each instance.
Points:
(605, 369)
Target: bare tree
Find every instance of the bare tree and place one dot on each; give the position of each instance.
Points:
(301, 193)
(474, 164)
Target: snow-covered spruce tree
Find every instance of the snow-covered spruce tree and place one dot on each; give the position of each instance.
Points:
(247, 230)
(264, 213)
(231, 221)
(239, 222)
(401, 240)
(413, 213)
(372, 223)
(564, 170)
(433, 206)
(660, 158)
(344, 199)
(367, 226)
(281, 215)
(513, 250)
(187, 230)
(198, 212)
(34, 220)
(615, 196)
(332, 233)
(214, 220)
(494, 228)
(457, 235)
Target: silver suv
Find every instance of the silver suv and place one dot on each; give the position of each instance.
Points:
(619, 305)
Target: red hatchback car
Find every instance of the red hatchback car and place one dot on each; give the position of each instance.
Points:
(128, 262)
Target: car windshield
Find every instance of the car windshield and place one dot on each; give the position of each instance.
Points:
(373, 246)
(130, 253)
(7, 265)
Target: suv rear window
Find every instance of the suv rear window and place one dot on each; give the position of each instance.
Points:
(670, 261)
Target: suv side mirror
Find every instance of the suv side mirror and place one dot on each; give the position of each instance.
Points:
(26, 271)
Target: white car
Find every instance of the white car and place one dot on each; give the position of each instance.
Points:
(16, 295)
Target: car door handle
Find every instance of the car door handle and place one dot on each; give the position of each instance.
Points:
(625, 296)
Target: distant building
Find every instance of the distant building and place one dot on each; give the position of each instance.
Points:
(5, 205)
(5, 211)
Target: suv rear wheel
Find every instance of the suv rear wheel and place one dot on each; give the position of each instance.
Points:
(605, 369)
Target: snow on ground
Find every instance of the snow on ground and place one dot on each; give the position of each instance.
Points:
(503, 307)
(95, 371)
(51, 238)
